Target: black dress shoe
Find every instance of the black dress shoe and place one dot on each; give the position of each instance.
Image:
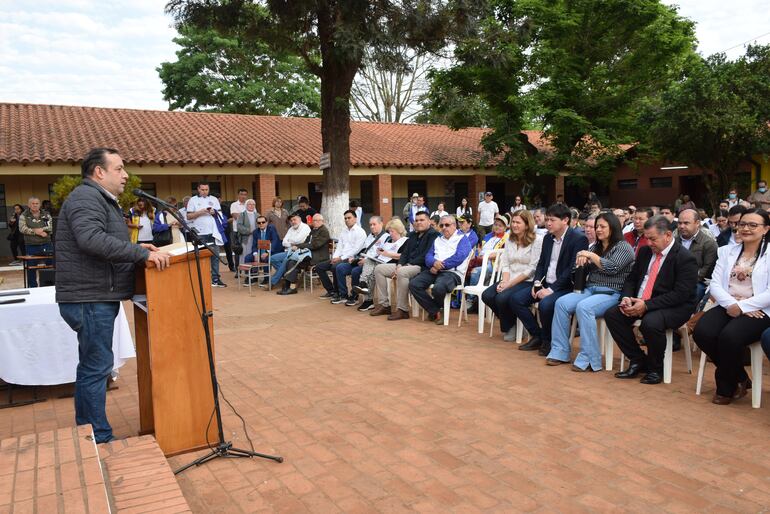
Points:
(531, 345)
(284, 292)
(632, 372)
(544, 350)
(653, 377)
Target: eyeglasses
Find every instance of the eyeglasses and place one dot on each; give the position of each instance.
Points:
(442, 225)
(261, 222)
(751, 226)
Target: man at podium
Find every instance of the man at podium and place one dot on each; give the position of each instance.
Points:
(94, 272)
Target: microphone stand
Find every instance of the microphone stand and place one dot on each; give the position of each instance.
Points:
(223, 448)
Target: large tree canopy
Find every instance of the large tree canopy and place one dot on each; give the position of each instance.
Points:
(716, 117)
(331, 36)
(578, 69)
(230, 72)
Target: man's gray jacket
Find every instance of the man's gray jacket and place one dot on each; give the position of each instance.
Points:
(94, 256)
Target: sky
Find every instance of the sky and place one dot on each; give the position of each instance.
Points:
(105, 53)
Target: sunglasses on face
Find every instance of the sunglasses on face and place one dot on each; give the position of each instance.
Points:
(442, 225)
(261, 222)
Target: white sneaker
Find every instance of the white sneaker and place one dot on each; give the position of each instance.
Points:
(510, 336)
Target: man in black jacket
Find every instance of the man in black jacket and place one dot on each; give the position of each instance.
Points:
(733, 217)
(660, 291)
(554, 270)
(94, 272)
(318, 244)
(411, 263)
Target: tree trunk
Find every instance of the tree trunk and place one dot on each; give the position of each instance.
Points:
(336, 83)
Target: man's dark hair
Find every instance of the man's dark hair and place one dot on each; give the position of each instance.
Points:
(95, 157)
(242, 190)
(647, 211)
(204, 183)
(722, 213)
(303, 199)
(293, 214)
(659, 223)
(350, 211)
(353, 204)
(559, 210)
(422, 213)
(737, 209)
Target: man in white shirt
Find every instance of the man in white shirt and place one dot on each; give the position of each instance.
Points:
(298, 232)
(487, 212)
(201, 210)
(238, 206)
(349, 243)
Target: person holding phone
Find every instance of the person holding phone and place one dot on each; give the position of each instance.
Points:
(201, 210)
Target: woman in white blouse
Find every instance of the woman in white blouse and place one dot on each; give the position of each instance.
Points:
(740, 285)
(517, 263)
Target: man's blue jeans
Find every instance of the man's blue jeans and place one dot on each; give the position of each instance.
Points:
(94, 324)
(37, 250)
(278, 261)
(208, 238)
(587, 306)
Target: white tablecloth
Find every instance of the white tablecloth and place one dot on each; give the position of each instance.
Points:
(37, 347)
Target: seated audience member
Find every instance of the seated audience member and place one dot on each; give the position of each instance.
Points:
(590, 229)
(263, 232)
(349, 243)
(376, 238)
(636, 237)
(440, 211)
(517, 265)
(318, 244)
(719, 223)
(410, 264)
(659, 291)
(297, 233)
(386, 252)
(700, 245)
(668, 213)
(447, 261)
(466, 227)
(608, 262)
(554, 272)
(730, 236)
(539, 215)
(495, 240)
(305, 211)
(741, 287)
(575, 219)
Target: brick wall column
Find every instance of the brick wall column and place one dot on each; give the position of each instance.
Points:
(383, 196)
(476, 185)
(558, 188)
(265, 191)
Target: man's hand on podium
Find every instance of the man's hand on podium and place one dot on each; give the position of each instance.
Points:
(160, 259)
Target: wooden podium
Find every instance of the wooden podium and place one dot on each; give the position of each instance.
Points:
(175, 393)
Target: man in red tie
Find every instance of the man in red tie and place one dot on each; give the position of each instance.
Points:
(660, 291)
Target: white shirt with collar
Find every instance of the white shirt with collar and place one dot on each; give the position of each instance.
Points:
(550, 275)
(349, 242)
(664, 254)
(687, 243)
(238, 208)
(372, 252)
(204, 224)
(296, 235)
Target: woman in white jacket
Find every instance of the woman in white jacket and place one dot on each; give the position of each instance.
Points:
(740, 285)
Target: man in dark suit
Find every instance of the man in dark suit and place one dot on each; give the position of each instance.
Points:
(660, 291)
(733, 217)
(264, 232)
(554, 271)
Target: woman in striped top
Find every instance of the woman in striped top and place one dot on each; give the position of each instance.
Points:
(608, 262)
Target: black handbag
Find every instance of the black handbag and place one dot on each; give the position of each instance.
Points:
(162, 238)
(236, 243)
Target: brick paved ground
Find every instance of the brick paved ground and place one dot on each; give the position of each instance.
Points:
(378, 416)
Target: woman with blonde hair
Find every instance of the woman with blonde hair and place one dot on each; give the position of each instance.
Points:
(517, 264)
(388, 251)
(278, 217)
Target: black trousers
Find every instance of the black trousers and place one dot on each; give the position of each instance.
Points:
(724, 339)
(330, 284)
(443, 282)
(501, 303)
(303, 265)
(653, 329)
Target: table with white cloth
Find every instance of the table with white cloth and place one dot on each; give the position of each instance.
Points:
(37, 347)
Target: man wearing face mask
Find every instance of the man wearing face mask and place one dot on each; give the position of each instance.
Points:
(761, 197)
(732, 198)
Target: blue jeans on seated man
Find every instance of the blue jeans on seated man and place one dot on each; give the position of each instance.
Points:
(37, 250)
(521, 301)
(94, 324)
(209, 239)
(278, 261)
(341, 272)
(587, 306)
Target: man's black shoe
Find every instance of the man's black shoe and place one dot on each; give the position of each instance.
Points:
(366, 306)
(284, 292)
(218, 283)
(632, 372)
(533, 344)
(326, 296)
(545, 349)
(338, 299)
(653, 377)
(352, 301)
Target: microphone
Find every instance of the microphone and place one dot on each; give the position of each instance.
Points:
(142, 194)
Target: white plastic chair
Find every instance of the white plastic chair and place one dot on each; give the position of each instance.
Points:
(447, 297)
(520, 329)
(480, 287)
(756, 373)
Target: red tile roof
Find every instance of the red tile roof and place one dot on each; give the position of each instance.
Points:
(62, 134)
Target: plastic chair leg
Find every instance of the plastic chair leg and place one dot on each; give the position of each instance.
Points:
(687, 345)
(701, 372)
(757, 355)
(668, 356)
